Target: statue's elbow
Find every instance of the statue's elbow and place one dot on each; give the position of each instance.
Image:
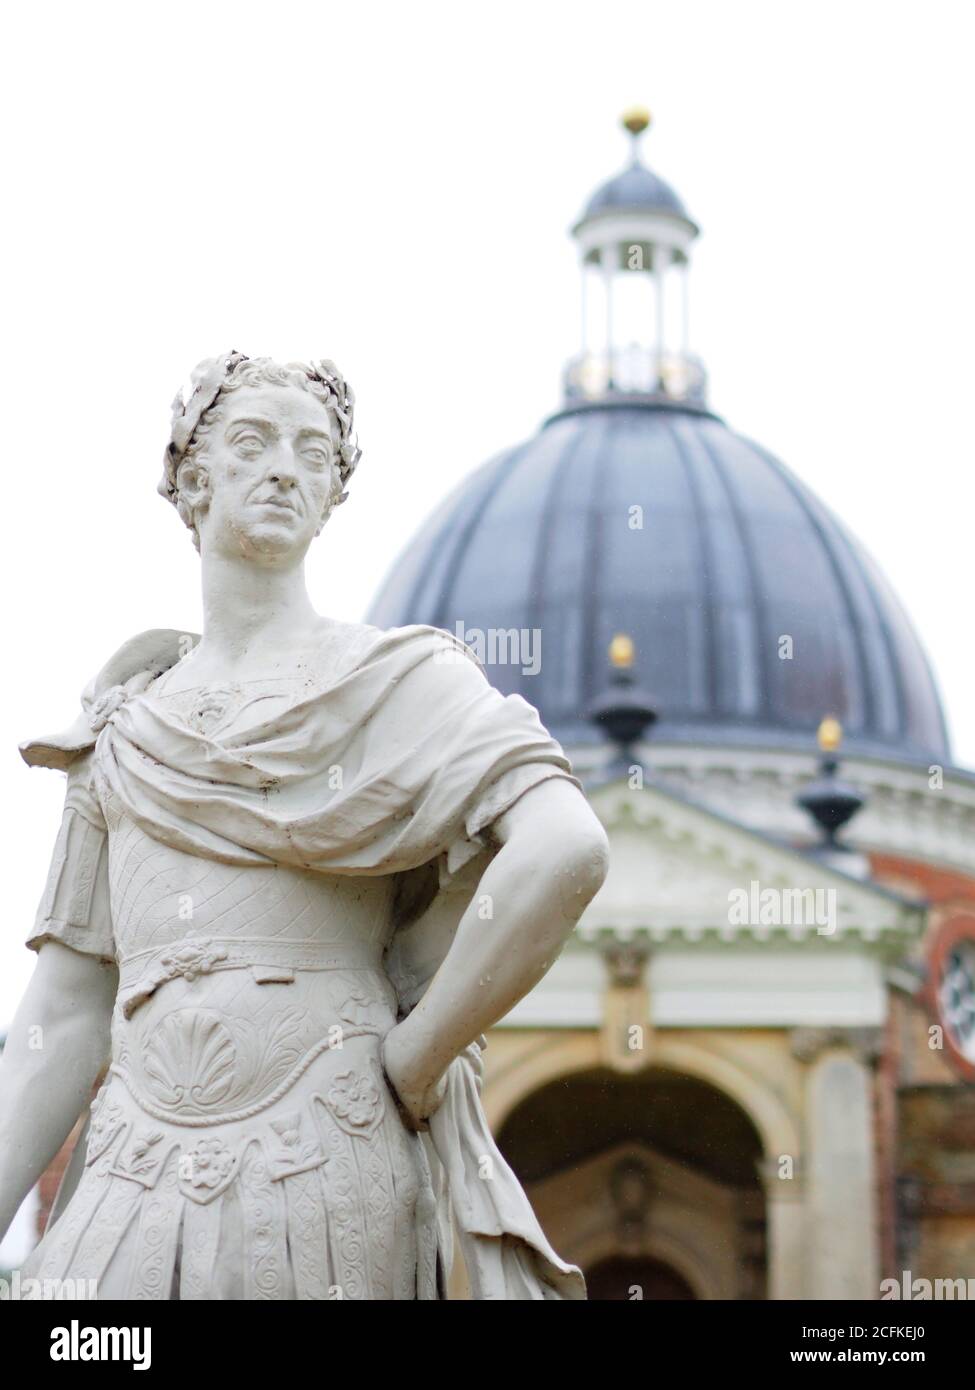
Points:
(585, 861)
(555, 839)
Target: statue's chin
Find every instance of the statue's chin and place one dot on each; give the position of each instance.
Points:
(270, 541)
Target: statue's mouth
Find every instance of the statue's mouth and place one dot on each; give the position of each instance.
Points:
(279, 503)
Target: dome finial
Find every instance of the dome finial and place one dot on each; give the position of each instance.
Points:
(622, 708)
(829, 735)
(622, 651)
(636, 120)
(830, 802)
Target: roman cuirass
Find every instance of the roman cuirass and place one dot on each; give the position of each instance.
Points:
(233, 980)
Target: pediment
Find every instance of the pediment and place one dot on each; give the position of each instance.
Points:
(679, 869)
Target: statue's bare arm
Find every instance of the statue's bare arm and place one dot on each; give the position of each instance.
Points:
(57, 1044)
(552, 861)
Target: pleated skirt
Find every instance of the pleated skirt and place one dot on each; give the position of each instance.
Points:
(324, 1195)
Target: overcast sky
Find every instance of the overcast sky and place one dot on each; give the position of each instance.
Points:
(391, 186)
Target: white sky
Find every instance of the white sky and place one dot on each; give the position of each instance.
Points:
(391, 185)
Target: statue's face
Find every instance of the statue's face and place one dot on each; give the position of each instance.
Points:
(267, 472)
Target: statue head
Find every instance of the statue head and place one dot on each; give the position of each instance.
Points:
(260, 453)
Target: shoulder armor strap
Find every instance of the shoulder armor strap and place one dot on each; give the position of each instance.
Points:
(149, 654)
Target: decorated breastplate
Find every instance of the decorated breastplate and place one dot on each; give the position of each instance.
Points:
(212, 1030)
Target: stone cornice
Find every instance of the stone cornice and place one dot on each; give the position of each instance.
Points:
(889, 941)
(866, 1044)
(674, 866)
(905, 814)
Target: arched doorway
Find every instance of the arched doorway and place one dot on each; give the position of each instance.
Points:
(650, 1182)
(622, 1278)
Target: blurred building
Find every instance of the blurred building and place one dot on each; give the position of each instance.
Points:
(750, 1073)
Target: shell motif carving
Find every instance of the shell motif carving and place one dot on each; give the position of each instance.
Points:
(190, 1058)
(197, 1060)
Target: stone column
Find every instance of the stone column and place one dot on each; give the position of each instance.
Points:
(784, 1212)
(609, 270)
(841, 1235)
(626, 1032)
(661, 260)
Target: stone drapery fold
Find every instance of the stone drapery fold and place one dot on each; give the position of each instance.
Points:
(399, 761)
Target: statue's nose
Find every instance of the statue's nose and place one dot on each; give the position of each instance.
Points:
(283, 468)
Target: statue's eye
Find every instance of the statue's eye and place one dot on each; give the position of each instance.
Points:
(314, 455)
(249, 443)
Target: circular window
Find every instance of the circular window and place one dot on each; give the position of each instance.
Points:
(956, 995)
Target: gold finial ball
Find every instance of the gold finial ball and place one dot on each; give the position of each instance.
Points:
(636, 120)
(621, 651)
(830, 734)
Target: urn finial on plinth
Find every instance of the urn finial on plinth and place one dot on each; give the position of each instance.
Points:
(831, 802)
(623, 709)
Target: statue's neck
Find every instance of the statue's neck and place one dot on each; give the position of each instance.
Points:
(250, 608)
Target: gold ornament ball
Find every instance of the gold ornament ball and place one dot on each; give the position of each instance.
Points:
(830, 734)
(636, 120)
(622, 650)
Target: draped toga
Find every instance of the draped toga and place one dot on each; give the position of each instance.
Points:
(391, 769)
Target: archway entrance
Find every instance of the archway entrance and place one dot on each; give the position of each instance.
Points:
(649, 1182)
(626, 1277)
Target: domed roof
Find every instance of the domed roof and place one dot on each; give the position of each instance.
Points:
(664, 524)
(635, 189)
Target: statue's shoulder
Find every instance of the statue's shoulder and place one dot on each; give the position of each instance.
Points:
(139, 659)
(437, 663)
(417, 640)
(145, 656)
(148, 653)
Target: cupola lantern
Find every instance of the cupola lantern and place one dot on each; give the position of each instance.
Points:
(634, 241)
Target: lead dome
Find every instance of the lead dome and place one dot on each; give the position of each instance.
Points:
(636, 509)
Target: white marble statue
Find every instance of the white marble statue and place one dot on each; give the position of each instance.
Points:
(303, 865)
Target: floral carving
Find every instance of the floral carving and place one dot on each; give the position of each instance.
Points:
(355, 1100)
(292, 1151)
(192, 958)
(140, 1159)
(288, 1130)
(208, 1165)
